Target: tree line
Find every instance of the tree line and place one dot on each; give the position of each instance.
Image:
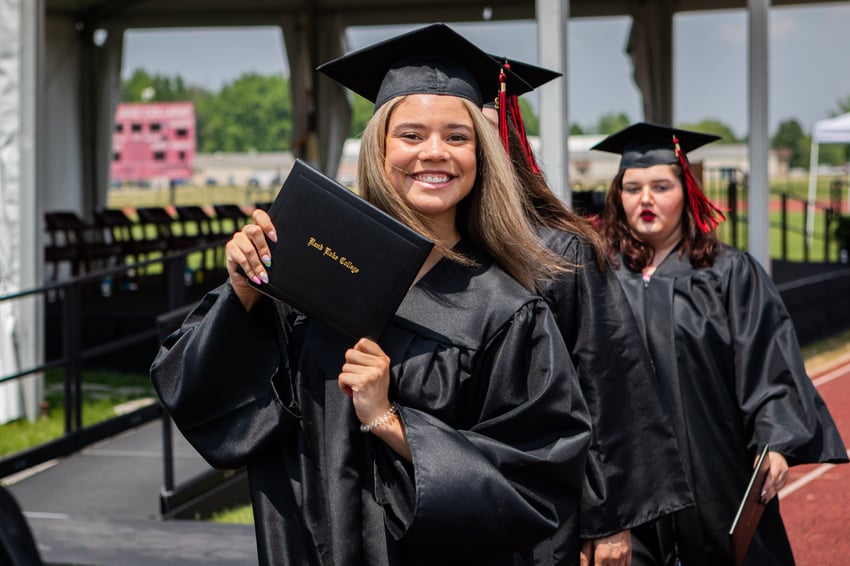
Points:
(254, 112)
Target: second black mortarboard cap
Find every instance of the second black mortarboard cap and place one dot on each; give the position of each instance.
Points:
(645, 145)
(532, 76)
(433, 59)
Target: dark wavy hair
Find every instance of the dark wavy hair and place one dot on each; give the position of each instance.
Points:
(701, 247)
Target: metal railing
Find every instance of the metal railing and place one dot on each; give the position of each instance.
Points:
(66, 300)
(789, 217)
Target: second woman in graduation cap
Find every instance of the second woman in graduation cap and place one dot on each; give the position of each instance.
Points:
(634, 472)
(723, 347)
(460, 436)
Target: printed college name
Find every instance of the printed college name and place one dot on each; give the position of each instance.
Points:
(327, 251)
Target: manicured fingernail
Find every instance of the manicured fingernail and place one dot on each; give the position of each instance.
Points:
(256, 280)
(264, 276)
(267, 261)
(273, 236)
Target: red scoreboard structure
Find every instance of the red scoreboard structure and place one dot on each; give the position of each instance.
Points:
(153, 141)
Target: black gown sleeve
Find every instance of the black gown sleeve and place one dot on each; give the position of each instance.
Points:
(634, 471)
(497, 485)
(223, 376)
(780, 405)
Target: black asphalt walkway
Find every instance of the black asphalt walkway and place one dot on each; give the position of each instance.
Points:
(100, 507)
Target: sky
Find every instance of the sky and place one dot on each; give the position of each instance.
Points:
(808, 59)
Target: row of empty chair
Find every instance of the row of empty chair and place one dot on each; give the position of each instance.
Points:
(114, 238)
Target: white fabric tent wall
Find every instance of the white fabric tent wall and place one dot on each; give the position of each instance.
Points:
(19, 319)
(11, 406)
(81, 93)
(296, 37)
(317, 137)
(650, 47)
(832, 130)
(334, 119)
(62, 172)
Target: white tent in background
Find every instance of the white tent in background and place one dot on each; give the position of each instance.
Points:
(11, 399)
(11, 396)
(832, 130)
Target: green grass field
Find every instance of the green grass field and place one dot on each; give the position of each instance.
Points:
(104, 393)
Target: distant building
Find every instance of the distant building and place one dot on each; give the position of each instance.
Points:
(153, 142)
(257, 169)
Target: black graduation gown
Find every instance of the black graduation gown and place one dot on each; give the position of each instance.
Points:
(489, 399)
(732, 378)
(634, 471)
(17, 544)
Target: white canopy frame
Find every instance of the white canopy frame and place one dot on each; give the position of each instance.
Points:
(831, 130)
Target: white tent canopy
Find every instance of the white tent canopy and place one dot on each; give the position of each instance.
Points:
(831, 130)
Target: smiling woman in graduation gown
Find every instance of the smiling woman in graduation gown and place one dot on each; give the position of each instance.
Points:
(487, 399)
(724, 349)
(489, 407)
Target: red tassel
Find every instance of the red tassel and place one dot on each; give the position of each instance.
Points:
(503, 108)
(519, 123)
(706, 214)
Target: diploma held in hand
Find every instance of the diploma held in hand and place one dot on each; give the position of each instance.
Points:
(750, 510)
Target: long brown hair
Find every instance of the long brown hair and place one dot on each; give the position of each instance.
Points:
(543, 207)
(491, 217)
(701, 247)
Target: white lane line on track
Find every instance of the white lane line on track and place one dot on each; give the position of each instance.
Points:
(834, 374)
(808, 478)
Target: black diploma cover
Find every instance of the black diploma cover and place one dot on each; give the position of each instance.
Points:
(750, 510)
(339, 259)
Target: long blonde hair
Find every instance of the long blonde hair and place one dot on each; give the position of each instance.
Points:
(492, 217)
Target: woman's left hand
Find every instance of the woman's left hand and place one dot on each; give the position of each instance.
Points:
(365, 377)
(777, 477)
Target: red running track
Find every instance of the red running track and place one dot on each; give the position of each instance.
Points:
(815, 504)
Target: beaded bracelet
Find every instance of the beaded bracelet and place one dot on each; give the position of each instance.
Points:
(380, 420)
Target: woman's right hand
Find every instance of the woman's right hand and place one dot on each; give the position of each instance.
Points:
(248, 249)
(777, 476)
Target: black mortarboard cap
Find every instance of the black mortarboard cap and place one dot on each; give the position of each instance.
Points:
(532, 76)
(644, 145)
(430, 60)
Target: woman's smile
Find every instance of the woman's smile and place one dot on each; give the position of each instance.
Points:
(432, 179)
